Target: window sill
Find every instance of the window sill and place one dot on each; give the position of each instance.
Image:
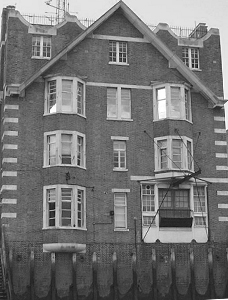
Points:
(114, 119)
(62, 165)
(38, 57)
(118, 63)
(199, 70)
(64, 113)
(174, 119)
(121, 229)
(120, 170)
(64, 228)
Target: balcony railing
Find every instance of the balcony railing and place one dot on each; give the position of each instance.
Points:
(53, 20)
(175, 217)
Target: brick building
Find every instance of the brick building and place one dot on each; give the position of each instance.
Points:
(111, 134)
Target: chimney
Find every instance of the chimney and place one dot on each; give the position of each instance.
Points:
(11, 7)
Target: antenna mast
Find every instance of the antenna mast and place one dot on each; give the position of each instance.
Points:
(62, 6)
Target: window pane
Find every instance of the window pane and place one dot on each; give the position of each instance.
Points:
(189, 155)
(51, 144)
(120, 210)
(66, 141)
(51, 101)
(185, 56)
(199, 199)
(119, 154)
(123, 52)
(187, 105)
(175, 109)
(80, 99)
(67, 95)
(112, 51)
(165, 198)
(148, 220)
(80, 151)
(66, 206)
(163, 158)
(36, 46)
(46, 47)
(195, 58)
(148, 204)
(177, 153)
(51, 198)
(80, 208)
(181, 199)
(200, 220)
(161, 103)
(125, 103)
(112, 103)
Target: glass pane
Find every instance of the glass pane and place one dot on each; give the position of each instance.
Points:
(181, 198)
(112, 103)
(175, 109)
(81, 220)
(80, 99)
(125, 103)
(80, 151)
(66, 141)
(112, 51)
(51, 143)
(51, 97)
(67, 95)
(66, 206)
(165, 198)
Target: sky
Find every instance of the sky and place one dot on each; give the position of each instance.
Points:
(184, 13)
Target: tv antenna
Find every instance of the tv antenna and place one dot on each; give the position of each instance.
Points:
(62, 6)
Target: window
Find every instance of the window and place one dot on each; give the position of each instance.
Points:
(118, 52)
(41, 47)
(200, 211)
(119, 155)
(172, 102)
(173, 153)
(64, 148)
(65, 95)
(190, 57)
(118, 103)
(120, 210)
(64, 207)
(148, 204)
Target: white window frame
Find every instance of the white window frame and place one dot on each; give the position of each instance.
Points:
(41, 39)
(123, 140)
(198, 212)
(117, 52)
(119, 104)
(188, 60)
(185, 112)
(185, 155)
(59, 102)
(58, 147)
(124, 206)
(74, 207)
(150, 214)
(183, 186)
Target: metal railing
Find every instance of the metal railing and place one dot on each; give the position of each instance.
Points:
(6, 271)
(53, 20)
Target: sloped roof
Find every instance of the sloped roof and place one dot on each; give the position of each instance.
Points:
(174, 60)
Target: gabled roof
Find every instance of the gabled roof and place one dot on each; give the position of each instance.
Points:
(174, 60)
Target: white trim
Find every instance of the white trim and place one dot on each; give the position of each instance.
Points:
(9, 201)
(9, 160)
(119, 38)
(219, 130)
(9, 187)
(121, 190)
(9, 215)
(127, 86)
(216, 180)
(221, 155)
(220, 143)
(223, 205)
(9, 173)
(223, 219)
(120, 138)
(219, 119)
(10, 120)
(9, 147)
(221, 168)
(9, 106)
(222, 193)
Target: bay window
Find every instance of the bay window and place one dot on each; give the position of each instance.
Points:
(64, 206)
(172, 101)
(64, 95)
(64, 148)
(173, 153)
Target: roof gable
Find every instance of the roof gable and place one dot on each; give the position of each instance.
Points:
(174, 61)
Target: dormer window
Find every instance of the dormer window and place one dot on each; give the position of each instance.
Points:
(65, 95)
(190, 57)
(172, 101)
(41, 47)
(173, 153)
